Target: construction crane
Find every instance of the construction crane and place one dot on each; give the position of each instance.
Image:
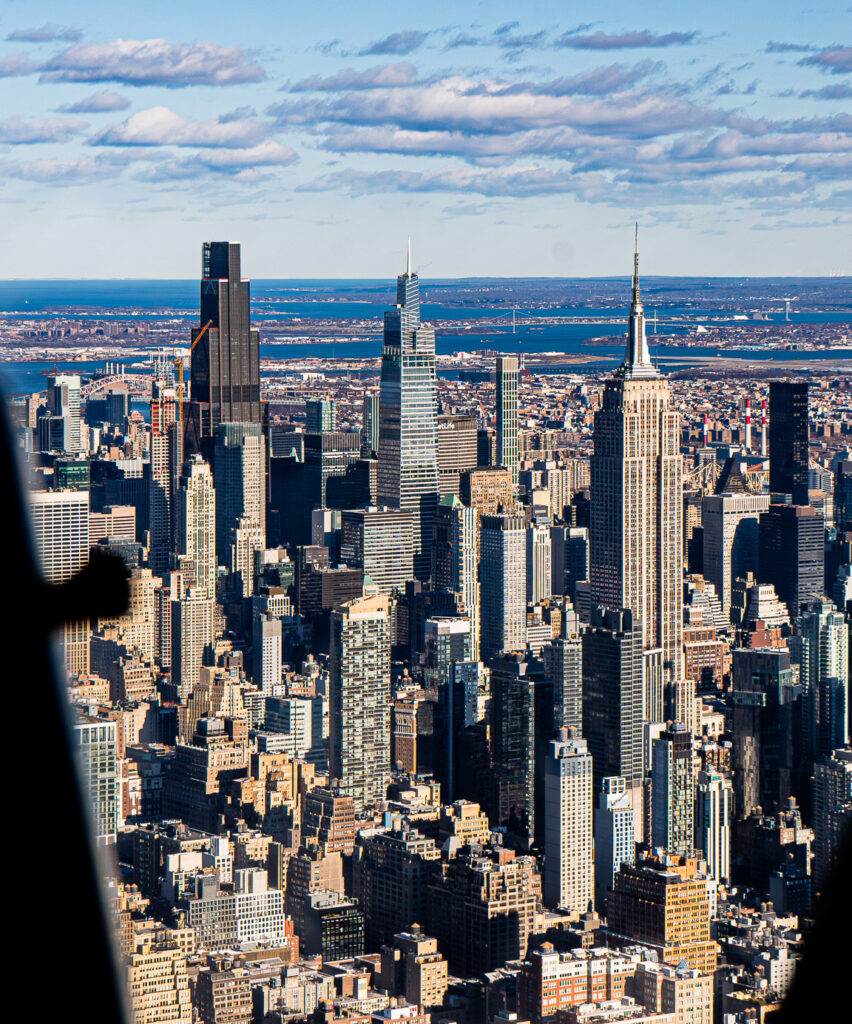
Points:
(178, 362)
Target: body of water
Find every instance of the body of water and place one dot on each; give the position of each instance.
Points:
(157, 300)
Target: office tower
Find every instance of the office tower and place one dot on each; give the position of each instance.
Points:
(266, 650)
(98, 766)
(447, 642)
(60, 525)
(370, 423)
(225, 368)
(191, 634)
(60, 425)
(792, 554)
(196, 523)
(569, 547)
(636, 536)
(563, 665)
(320, 415)
(615, 837)
(456, 451)
(539, 588)
(613, 701)
(766, 725)
(714, 817)
(522, 726)
(788, 439)
(246, 542)
(665, 903)
(488, 490)
(731, 528)
(408, 445)
(832, 810)
(569, 866)
(502, 574)
(381, 542)
(239, 476)
(672, 791)
(843, 496)
(507, 415)
(821, 650)
(455, 560)
(359, 700)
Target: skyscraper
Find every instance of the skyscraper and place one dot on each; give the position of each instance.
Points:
(636, 537)
(613, 700)
(507, 414)
(455, 560)
(97, 743)
(563, 663)
(569, 867)
(447, 642)
(370, 423)
(359, 700)
(320, 415)
(672, 791)
(162, 479)
(225, 370)
(408, 443)
(538, 563)
(766, 725)
(714, 816)
(731, 525)
(788, 439)
(62, 415)
(792, 554)
(502, 584)
(196, 523)
(821, 649)
(239, 476)
(191, 634)
(615, 837)
(60, 521)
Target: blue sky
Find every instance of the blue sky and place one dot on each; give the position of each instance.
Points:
(322, 134)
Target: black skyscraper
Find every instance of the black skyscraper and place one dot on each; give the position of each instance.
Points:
(792, 554)
(613, 695)
(225, 371)
(788, 439)
(766, 701)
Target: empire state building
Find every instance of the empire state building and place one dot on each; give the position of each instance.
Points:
(636, 536)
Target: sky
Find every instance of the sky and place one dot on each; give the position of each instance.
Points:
(506, 139)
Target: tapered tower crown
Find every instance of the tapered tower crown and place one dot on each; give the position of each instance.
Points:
(637, 358)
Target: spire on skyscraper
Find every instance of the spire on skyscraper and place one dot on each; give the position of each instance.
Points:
(408, 262)
(637, 358)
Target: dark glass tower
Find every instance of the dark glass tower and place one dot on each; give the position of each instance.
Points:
(792, 554)
(408, 423)
(788, 439)
(225, 373)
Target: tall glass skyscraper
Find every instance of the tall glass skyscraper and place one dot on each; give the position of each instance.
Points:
(225, 371)
(408, 421)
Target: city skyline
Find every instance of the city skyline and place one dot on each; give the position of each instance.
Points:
(527, 134)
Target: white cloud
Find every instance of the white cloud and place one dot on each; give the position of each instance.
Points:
(152, 62)
(160, 126)
(15, 132)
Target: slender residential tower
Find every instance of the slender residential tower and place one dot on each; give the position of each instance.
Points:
(636, 536)
(507, 414)
(408, 417)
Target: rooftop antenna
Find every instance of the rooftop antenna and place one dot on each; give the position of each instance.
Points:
(408, 265)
